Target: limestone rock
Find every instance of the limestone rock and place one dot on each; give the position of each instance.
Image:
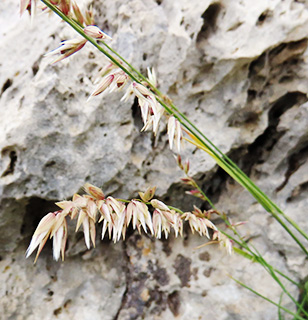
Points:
(239, 71)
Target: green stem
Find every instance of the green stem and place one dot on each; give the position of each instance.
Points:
(269, 300)
(279, 309)
(258, 257)
(266, 265)
(254, 258)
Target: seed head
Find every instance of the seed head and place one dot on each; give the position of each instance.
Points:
(67, 48)
(175, 134)
(96, 33)
(148, 194)
(52, 225)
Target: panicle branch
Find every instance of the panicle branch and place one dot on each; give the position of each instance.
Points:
(150, 215)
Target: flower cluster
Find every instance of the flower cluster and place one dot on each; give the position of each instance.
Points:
(112, 78)
(29, 5)
(71, 10)
(116, 216)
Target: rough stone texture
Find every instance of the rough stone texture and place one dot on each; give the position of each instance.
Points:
(239, 70)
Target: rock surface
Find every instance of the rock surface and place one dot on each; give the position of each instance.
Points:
(239, 70)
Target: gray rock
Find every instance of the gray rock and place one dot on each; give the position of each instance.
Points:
(238, 70)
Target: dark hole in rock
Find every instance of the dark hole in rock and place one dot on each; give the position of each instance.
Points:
(257, 65)
(209, 17)
(288, 52)
(174, 303)
(299, 192)
(260, 148)
(265, 15)
(35, 68)
(50, 293)
(36, 209)
(50, 163)
(295, 161)
(251, 95)
(6, 85)
(11, 166)
(57, 311)
(136, 113)
(91, 55)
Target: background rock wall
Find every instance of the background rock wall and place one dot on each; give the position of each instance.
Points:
(239, 70)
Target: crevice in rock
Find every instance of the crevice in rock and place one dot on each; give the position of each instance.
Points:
(259, 150)
(35, 67)
(6, 85)
(246, 157)
(136, 114)
(144, 277)
(36, 209)
(215, 187)
(174, 302)
(209, 17)
(265, 16)
(274, 66)
(127, 278)
(295, 161)
(287, 52)
(299, 192)
(13, 159)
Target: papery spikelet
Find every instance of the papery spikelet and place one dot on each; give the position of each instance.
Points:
(24, 4)
(65, 6)
(186, 166)
(104, 210)
(103, 85)
(115, 205)
(160, 224)
(148, 194)
(53, 225)
(140, 215)
(79, 201)
(78, 15)
(175, 134)
(159, 205)
(67, 48)
(152, 77)
(59, 240)
(179, 160)
(96, 33)
(96, 192)
(89, 18)
(141, 91)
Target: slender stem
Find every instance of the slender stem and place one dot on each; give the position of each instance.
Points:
(269, 300)
(257, 256)
(254, 258)
(279, 310)
(303, 302)
(266, 266)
